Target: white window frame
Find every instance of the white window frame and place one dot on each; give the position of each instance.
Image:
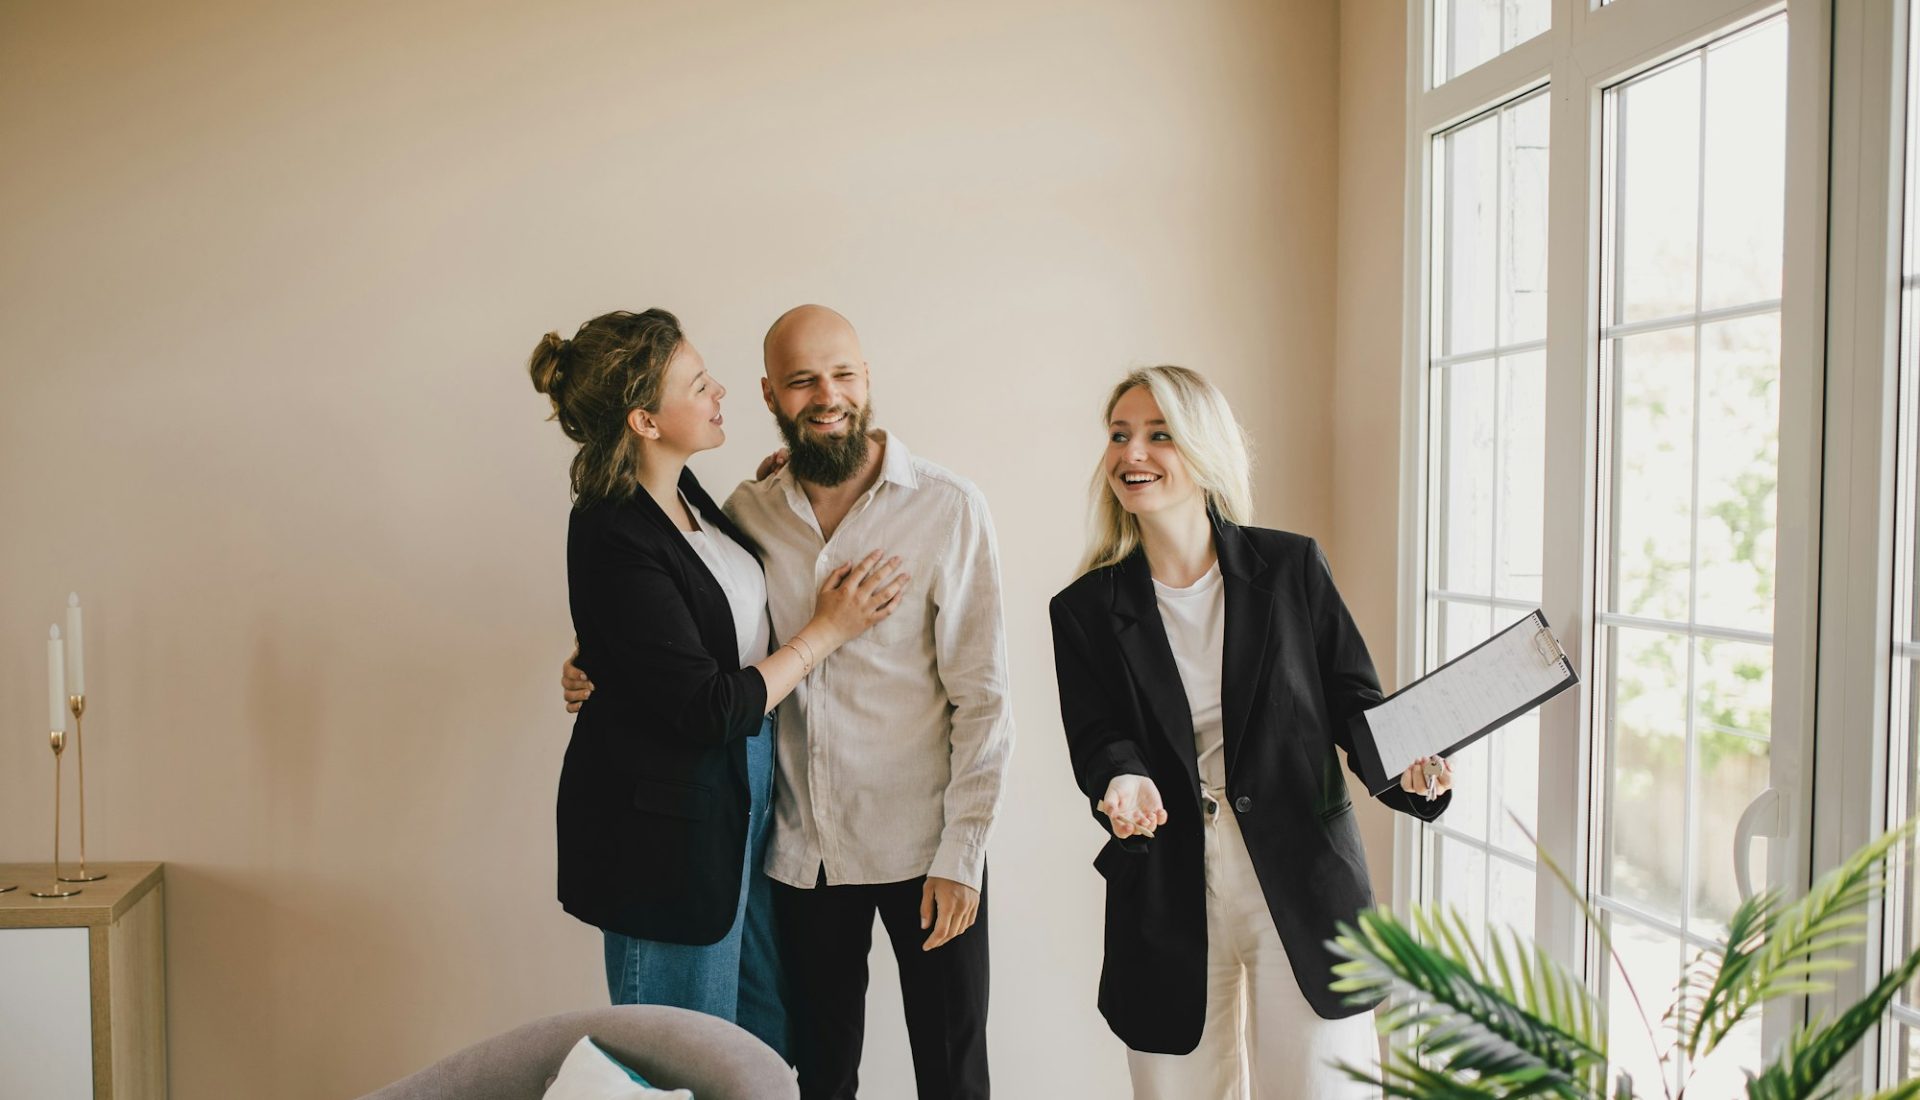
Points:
(1587, 50)
(1858, 552)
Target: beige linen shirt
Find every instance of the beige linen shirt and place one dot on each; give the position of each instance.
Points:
(894, 750)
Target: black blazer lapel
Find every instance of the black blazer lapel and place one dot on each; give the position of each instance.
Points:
(710, 515)
(1248, 635)
(715, 516)
(1149, 656)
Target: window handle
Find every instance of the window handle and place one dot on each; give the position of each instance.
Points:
(1760, 818)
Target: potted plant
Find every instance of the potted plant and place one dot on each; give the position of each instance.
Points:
(1511, 1022)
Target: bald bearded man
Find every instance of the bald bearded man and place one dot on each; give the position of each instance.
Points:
(892, 753)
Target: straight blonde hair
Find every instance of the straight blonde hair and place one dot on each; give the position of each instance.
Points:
(1210, 441)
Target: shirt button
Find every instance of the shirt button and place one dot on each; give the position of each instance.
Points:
(1242, 804)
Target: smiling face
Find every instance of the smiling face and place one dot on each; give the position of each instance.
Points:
(688, 419)
(816, 388)
(1143, 467)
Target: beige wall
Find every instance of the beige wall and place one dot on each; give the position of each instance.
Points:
(1364, 546)
(268, 278)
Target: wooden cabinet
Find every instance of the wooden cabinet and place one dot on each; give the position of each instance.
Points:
(83, 985)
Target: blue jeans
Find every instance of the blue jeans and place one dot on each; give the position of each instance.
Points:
(738, 979)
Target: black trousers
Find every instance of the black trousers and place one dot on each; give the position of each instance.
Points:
(826, 934)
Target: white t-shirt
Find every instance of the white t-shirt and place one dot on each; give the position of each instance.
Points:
(1196, 622)
(744, 583)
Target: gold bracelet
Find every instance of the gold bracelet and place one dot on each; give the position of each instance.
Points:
(810, 658)
(806, 666)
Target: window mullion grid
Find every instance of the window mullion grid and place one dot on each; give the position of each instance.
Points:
(1897, 899)
(1439, 827)
(1440, 395)
(1648, 919)
(1697, 630)
(1607, 471)
(1698, 317)
(1904, 1013)
(1897, 920)
(1439, 298)
(1492, 603)
(1450, 233)
(1690, 810)
(1499, 222)
(1497, 351)
(1444, 238)
(1898, 917)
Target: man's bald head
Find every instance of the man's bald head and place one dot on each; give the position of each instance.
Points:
(810, 332)
(816, 388)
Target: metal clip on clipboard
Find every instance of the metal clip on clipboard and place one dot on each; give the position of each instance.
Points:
(1462, 701)
(1549, 647)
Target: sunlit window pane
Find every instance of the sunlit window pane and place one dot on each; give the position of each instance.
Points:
(1653, 474)
(1691, 269)
(1464, 476)
(1651, 961)
(1470, 163)
(1744, 197)
(1657, 174)
(1523, 221)
(1485, 481)
(1519, 476)
(1645, 807)
(1739, 464)
(1470, 32)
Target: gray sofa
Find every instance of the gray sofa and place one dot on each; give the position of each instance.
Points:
(670, 1047)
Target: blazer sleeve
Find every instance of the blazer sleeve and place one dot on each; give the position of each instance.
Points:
(652, 643)
(1347, 678)
(1097, 741)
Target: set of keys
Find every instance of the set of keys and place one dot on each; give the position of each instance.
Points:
(1145, 830)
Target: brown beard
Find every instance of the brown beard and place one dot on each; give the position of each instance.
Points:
(827, 459)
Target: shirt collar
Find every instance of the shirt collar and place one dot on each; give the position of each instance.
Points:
(896, 466)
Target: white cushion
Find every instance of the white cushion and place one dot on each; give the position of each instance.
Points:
(589, 1073)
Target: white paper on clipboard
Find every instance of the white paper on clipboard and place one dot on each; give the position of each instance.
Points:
(1462, 701)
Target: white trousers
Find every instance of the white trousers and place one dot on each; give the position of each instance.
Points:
(1262, 1040)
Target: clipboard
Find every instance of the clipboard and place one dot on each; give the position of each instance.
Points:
(1462, 701)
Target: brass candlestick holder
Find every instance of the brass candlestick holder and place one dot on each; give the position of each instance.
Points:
(77, 704)
(59, 739)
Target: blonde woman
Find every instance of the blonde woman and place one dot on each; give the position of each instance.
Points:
(1208, 673)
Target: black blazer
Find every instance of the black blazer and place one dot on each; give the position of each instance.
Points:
(1296, 674)
(652, 813)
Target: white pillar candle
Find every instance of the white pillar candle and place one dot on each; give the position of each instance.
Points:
(76, 657)
(56, 681)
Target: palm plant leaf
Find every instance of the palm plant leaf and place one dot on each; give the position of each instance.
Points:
(1708, 981)
(1518, 1021)
(1525, 974)
(1599, 929)
(1406, 1078)
(1800, 1070)
(1773, 951)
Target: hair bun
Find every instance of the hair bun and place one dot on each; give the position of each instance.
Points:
(546, 365)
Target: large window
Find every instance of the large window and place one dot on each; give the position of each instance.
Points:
(1485, 482)
(1616, 418)
(1694, 170)
(1685, 419)
(1903, 726)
